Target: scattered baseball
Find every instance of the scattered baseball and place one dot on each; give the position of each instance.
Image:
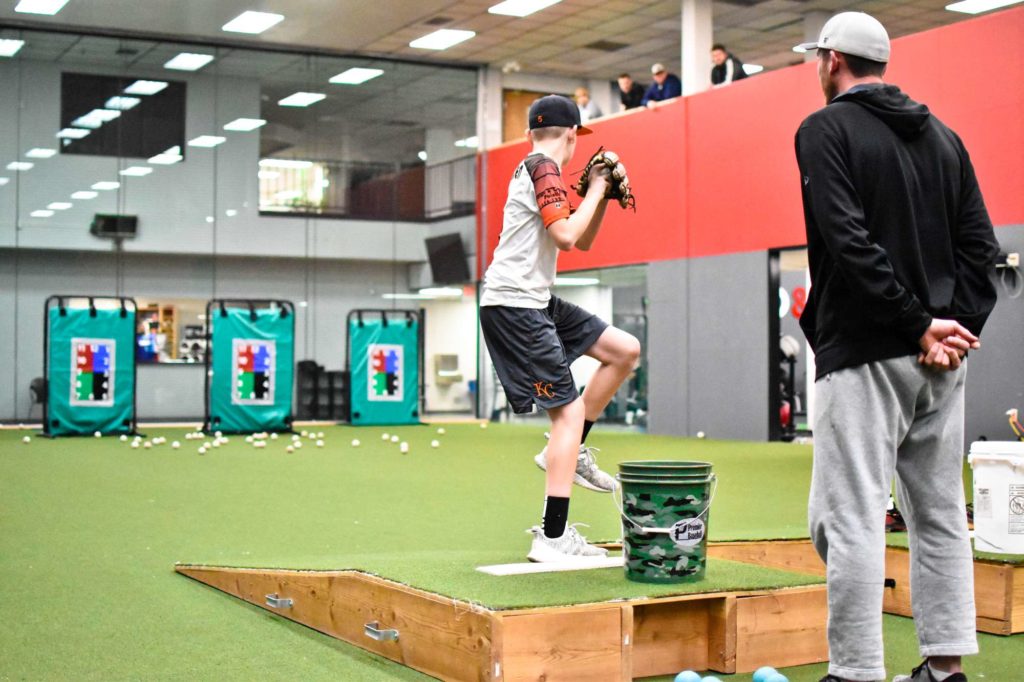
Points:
(700, 434)
(355, 442)
(320, 434)
(296, 436)
(147, 445)
(404, 447)
(202, 450)
(483, 425)
(305, 433)
(135, 444)
(219, 434)
(26, 439)
(440, 430)
(123, 438)
(394, 439)
(261, 444)
(385, 436)
(175, 445)
(216, 444)
(273, 436)
(298, 444)
(435, 443)
(289, 449)
(248, 439)
(97, 435)
(207, 445)
(319, 443)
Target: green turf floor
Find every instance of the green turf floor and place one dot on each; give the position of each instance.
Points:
(90, 530)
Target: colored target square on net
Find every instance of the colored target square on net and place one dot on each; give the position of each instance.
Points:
(385, 372)
(253, 370)
(92, 372)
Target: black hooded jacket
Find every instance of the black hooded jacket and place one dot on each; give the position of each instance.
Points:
(897, 232)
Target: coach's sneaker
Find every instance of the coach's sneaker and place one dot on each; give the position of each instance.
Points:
(570, 547)
(923, 673)
(588, 475)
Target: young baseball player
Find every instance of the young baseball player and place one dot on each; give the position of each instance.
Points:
(533, 336)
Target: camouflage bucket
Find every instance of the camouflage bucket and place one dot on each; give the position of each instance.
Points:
(667, 469)
(664, 523)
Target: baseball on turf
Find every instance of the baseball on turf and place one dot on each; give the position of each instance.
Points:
(135, 444)
(404, 447)
(483, 425)
(289, 449)
(202, 450)
(319, 443)
(175, 445)
(123, 438)
(273, 436)
(26, 439)
(97, 435)
(394, 439)
(440, 431)
(435, 443)
(147, 445)
(355, 442)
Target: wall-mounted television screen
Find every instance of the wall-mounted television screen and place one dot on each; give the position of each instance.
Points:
(447, 259)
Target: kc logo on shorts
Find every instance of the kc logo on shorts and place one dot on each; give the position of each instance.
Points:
(544, 389)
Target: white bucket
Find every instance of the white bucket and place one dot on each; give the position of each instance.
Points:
(998, 496)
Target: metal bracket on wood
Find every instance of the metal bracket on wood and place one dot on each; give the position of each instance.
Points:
(373, 630)
(279, 602)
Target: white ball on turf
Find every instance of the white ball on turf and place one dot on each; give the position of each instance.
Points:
(273, 436)
(385, 436)
(97, 435)
(394, 439)
(304, 433)
(135, 444)
(319, 443)
(175, 445)
(207, 445)
(483, 425)
(355, 442)
(320, 434)
(404, 447)
(700, 434)
(248, 439)
(289, 449)
(218, 434)
(298, 444)
(26, 439)
(147, 445)
(296, 436)
(435, 443)
(123, 438)
(440, 430)
(202, 450)
(216, 444)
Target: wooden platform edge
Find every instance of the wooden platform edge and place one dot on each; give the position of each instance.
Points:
(614, 640)
(998, 586)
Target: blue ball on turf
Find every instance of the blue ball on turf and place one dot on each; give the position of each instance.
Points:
(777, 677)
(687, 676)
(763, 673)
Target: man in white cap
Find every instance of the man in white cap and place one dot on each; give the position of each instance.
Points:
(665, 86)
(901, 249)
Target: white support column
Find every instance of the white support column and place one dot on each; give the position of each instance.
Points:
(813, 23)
(697, 37)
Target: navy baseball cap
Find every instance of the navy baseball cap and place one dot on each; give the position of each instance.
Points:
(554, 110)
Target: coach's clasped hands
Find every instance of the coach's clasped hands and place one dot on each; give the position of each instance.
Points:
(944, 345)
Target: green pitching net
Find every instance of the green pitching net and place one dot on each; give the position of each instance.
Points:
(384, 366)
(89, 365)
(250, 365)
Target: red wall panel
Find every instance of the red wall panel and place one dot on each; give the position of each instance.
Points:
(715, 173)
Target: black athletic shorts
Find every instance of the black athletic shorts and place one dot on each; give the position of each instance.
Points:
(532, 349)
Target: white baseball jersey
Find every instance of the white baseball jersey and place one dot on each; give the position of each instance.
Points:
(523, 269)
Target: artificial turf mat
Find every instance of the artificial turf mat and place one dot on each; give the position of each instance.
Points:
(901, 540)
(90, 530)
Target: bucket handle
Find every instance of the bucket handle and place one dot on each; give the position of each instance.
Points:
(617, 501)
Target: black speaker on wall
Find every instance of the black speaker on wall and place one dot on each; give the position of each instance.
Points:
(110, 226)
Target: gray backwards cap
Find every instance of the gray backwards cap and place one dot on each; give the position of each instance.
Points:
(853, 33)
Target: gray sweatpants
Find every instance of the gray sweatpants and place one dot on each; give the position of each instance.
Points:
(874, 420)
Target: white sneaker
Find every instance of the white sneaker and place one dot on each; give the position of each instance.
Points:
(588, 475)
(571, 546)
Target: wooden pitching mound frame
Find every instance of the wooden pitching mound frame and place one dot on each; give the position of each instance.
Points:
(998, 587)
(450, 639)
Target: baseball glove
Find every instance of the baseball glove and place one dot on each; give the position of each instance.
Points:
(618, 181)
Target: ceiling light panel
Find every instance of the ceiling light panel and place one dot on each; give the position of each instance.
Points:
(50, 7)
(136, 171)
(206, 141)
(20, 166)
(4, 181)
(41, 214)
(10, 47)
(188, 61)
(252, 22)
(145, 87)
(245, 124)
(285, 163)
(355, 76)
(85, 194)
(106, 185)
(301, 99)
(122, 103)
(60, 205)
(40, 153)
(442, 39)
(979, 6)
(73, 133)
(521, 8)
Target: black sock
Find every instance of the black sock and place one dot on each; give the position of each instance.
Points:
(586, 431)
(556, 513)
